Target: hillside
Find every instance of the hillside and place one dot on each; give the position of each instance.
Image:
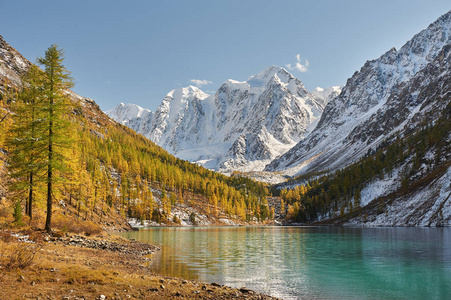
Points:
(119, 173)
(380, 155)
(406, 182)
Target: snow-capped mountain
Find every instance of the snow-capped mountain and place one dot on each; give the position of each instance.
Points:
(391, 94)
(243, 126)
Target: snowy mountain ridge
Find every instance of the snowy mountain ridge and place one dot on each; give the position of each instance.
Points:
(382, 98)
(243, 126)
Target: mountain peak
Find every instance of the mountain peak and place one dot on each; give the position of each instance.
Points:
(265, 76)
(124, 112)
(242, 126)
(189, 92)
(443, 19)
(273, 69)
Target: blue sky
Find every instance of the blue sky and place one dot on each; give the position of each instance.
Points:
(137, 51)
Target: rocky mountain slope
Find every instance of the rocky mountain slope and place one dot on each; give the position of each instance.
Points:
(243, 126)
(12, 64)
(389, 95)
(381, 152)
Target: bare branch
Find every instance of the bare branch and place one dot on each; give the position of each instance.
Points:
(4, 117)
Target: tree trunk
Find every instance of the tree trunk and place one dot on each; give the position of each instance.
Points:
(48, 221)
(30, 198)
(70, 195)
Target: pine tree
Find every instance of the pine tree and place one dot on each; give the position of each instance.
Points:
(56, 105)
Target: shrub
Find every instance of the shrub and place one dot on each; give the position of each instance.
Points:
(90, 228)
(176, 220)
(18, 213)
(20, 256)
(192, 218)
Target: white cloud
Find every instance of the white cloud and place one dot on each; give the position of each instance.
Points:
(299, 65)
(199, 82)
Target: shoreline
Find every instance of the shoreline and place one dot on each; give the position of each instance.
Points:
(105, 266)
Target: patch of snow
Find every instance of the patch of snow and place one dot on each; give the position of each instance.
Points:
(379, 188)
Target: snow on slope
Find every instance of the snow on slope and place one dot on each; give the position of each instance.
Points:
(428, 206)
(133, 116)
(375, 102)
(129, 111)
(243, 126)
(12, 64)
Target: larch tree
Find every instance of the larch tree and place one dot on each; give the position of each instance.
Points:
(26, 163)
(58, 136)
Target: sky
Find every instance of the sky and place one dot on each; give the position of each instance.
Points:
(138, 51)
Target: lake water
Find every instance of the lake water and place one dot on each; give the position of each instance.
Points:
(310, 262)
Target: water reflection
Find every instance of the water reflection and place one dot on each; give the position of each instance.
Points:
(310, 262)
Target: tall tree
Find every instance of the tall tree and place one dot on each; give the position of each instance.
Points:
(57, 105)
(26, 147)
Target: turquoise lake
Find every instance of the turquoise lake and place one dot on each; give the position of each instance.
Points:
(310, 262)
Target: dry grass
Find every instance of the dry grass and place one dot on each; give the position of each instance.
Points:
(64, 223)
(6, 236)
(62, 271)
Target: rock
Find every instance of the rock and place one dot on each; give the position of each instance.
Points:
(33, 282)
(162, 287)
(216, 284)
(152, 290)
(184, 282)
(162, 280)
(245, 290)
(102, 297)
(21, 278)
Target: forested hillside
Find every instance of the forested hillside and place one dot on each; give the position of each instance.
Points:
(400, 171)
(110, 169)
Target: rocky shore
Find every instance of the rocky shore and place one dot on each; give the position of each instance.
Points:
(96, 267)
(131, 247)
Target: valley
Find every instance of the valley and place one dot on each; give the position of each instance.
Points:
(251, 187)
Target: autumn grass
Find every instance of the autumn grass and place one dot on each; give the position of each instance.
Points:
(60, 271)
